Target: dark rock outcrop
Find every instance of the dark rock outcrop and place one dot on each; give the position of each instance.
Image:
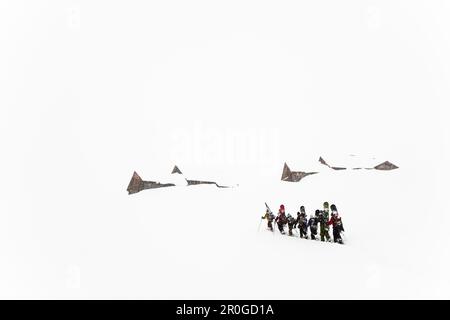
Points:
(322, 161)
(137, 184)
(386, 166)
(197, 182)
(293, 176)
(176, 170)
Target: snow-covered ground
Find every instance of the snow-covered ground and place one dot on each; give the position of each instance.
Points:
(91, 91)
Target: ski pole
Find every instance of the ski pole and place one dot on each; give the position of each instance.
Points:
(260, 221)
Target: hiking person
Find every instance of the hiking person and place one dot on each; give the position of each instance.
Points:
(313, 224)
(290, 223)
(336, 222)
(324, 227)
(281, 219)
(270, 217)
(302, 222)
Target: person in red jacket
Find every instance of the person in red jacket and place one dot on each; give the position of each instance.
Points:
(336, 222)
(281, 219)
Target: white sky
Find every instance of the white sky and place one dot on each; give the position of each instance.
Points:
(92, 90)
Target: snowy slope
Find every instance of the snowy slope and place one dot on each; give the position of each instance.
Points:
(219, 249)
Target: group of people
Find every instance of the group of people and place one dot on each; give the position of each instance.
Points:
(320, 221)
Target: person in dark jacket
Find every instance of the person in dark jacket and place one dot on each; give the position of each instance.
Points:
(302, 222)
(290, 223)
(336, 222)
(313, 225)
